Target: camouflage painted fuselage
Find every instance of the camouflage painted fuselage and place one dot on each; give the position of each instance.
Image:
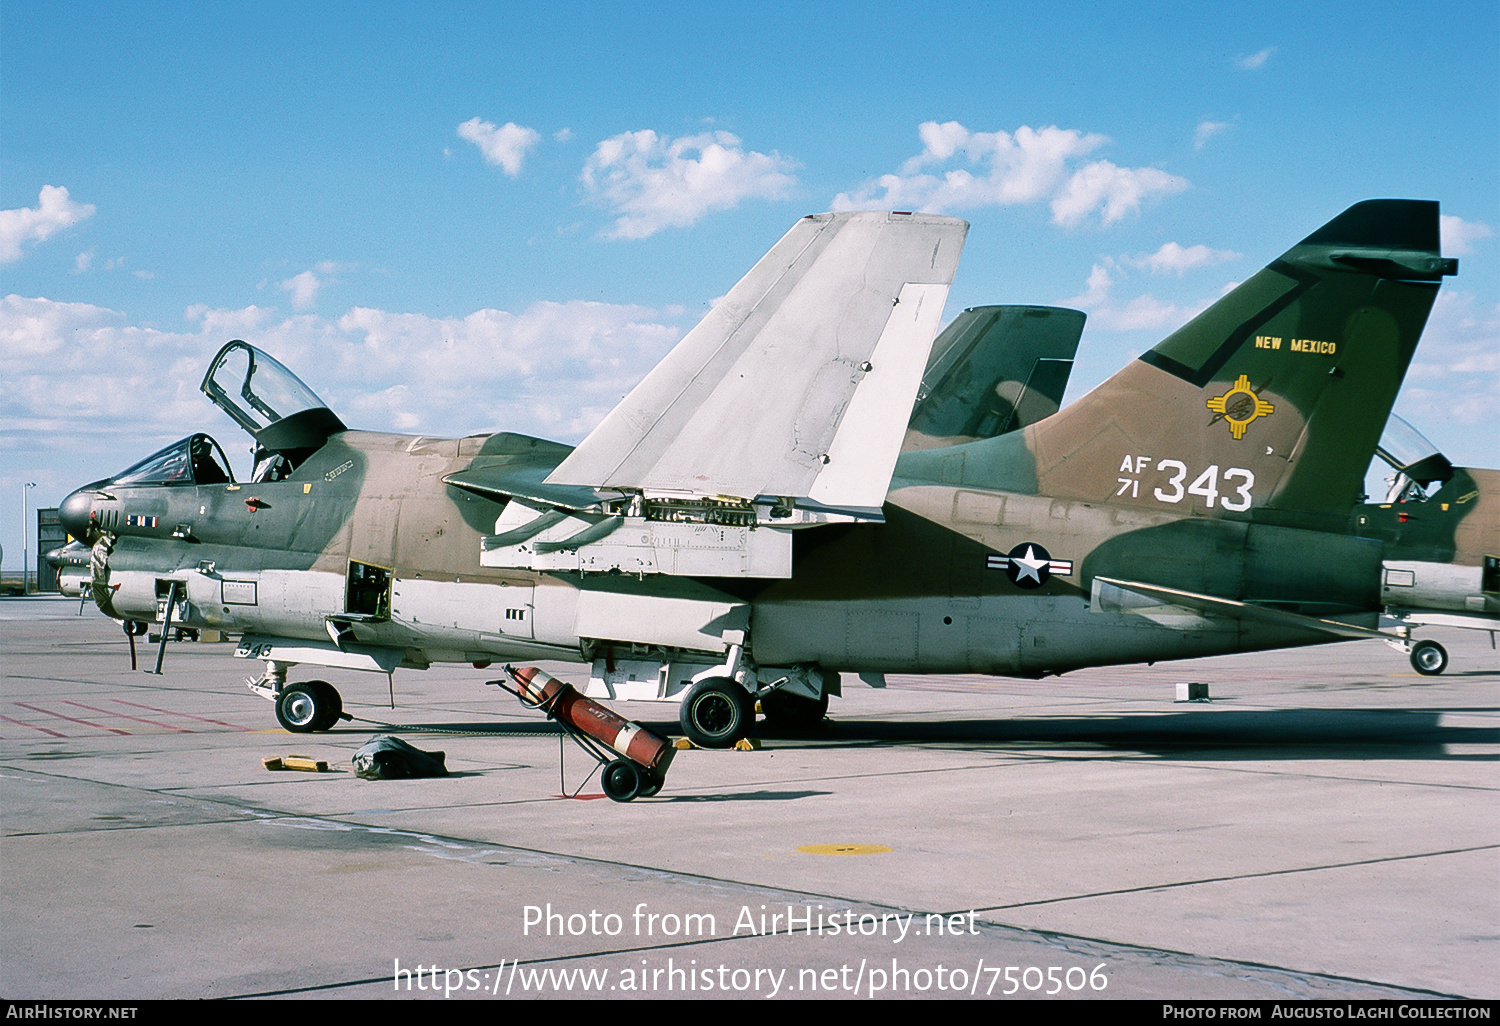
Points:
(1204, 500)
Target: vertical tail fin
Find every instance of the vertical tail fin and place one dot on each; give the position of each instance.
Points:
(1273, 397)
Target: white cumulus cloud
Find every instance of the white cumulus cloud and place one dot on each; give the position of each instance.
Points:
(651, 182)
(1144, 312)
(972, 169)
(76, 372)
(304, 289)
(505, 146)
(1257, 60)
(1176, 258)
(54, 211)
(1111, 190)
(1206, 130)
(1455, 374)
(1459, 235)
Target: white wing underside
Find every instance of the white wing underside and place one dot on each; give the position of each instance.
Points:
(799, 382)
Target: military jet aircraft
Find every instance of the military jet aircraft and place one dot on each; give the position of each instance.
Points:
(1444, 522)
(744, 525)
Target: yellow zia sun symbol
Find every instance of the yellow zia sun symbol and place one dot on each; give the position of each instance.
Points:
(1240, 405)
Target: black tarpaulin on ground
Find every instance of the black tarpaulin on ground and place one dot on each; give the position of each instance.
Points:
(390, 758)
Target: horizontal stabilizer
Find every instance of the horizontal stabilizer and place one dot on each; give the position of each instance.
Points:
(1231, 609)
(799, 382)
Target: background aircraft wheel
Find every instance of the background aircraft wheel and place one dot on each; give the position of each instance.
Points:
(330, 704)
(1429, 658)
(716, 713)
(621, 780)
(787, 711)
(301, 707)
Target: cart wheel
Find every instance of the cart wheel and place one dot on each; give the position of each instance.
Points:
(650, 784)
(622, 781)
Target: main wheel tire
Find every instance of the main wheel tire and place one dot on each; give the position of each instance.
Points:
(621, 780)
(787, 711)
(716, 713)
(1429, 658)
(330, 704)
(301, 707)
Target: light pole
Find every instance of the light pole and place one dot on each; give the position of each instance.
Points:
(25, 590)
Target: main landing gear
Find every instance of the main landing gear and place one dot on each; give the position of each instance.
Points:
(787, 711)
(717, 712)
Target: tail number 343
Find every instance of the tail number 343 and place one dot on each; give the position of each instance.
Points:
(1231, 489)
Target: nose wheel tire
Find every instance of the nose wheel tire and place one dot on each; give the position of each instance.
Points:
(1429, 658)
(310, 706)
(716, 713)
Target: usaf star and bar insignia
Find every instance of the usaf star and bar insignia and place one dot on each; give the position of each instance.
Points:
(1028, 565)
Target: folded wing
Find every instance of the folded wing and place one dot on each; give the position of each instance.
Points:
(799, 383)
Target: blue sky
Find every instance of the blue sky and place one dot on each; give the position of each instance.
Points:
(452, 218)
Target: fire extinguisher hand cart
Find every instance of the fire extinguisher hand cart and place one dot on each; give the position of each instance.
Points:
(635, 761)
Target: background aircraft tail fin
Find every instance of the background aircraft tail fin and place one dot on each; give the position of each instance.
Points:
(993, 370)
(1274, 397)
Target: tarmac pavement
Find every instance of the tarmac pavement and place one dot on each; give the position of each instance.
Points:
(1325, 827)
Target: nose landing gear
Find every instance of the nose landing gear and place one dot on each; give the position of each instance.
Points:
(309, 706)
(1429, 658)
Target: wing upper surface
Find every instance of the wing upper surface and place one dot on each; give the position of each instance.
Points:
(801, 379)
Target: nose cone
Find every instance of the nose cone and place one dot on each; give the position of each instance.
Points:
(74, 512)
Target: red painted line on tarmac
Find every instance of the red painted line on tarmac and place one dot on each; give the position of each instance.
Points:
(169, 712)
(124, 716)
(33, 726)
(73, 719)
(580, 797)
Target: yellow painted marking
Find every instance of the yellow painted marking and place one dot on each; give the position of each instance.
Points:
(1220, 404)
(843, 849)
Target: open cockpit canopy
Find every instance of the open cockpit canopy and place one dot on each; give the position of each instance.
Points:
(283, 415)
(1416, 461)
